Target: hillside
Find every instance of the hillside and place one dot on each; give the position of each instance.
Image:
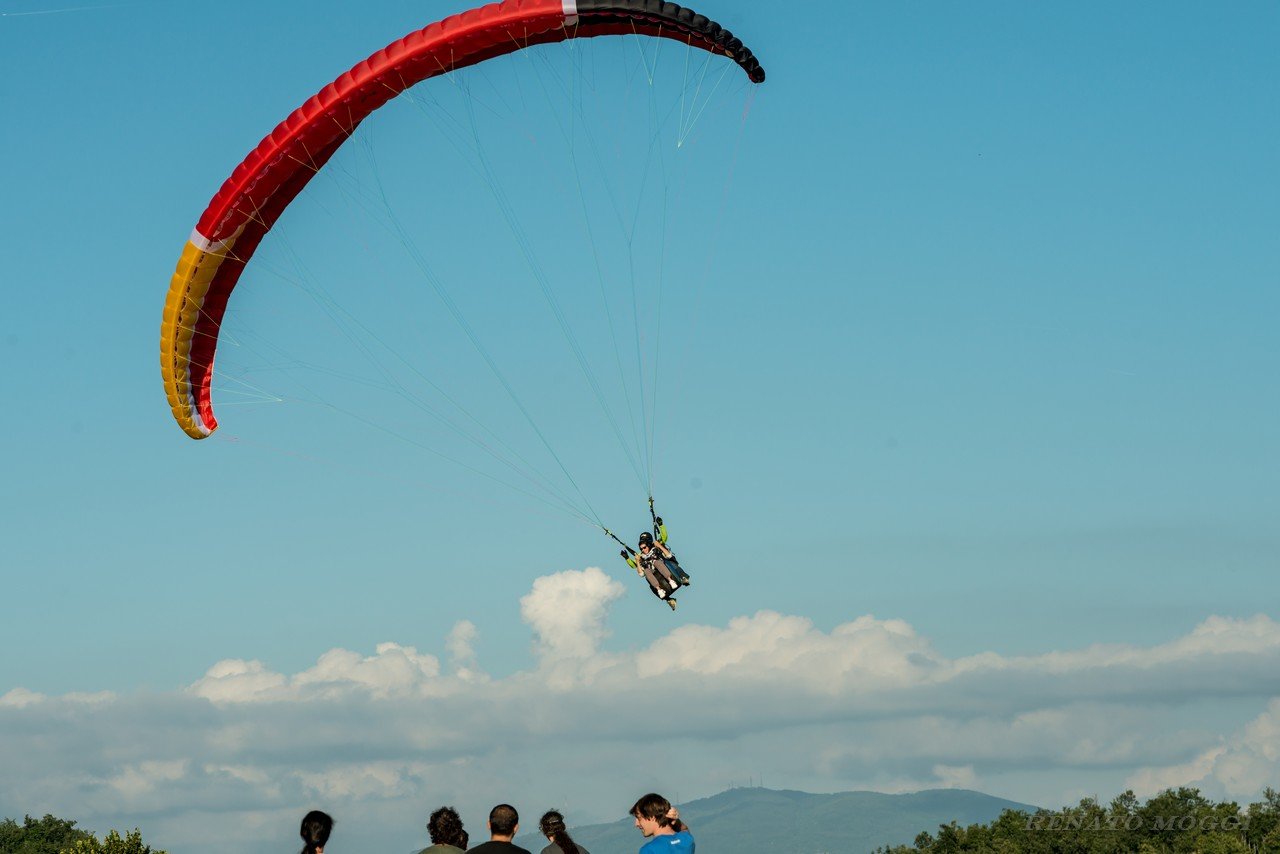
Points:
(765, 821)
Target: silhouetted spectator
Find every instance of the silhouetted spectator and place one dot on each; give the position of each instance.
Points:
(552, 827)
(445, 829)
(504, 821)
(315, 832)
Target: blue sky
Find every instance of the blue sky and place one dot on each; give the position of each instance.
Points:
(968, 325)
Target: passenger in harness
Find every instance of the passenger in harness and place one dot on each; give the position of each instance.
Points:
(673, 564)
(657, 564)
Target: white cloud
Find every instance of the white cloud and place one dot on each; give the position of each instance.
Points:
(392, 670)
(1148, 781)
(567, 612)
(20, 698)
(869, 704)
(461, 646)
(1240, 767)
(1262, 735)
(143, 777)
(233, 680)
(243, 773)
(955, 776)
(364, 780)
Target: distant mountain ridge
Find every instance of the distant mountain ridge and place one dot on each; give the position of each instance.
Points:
(769, 821)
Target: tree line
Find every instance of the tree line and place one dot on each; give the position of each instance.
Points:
(53, 835)
(1176, 821)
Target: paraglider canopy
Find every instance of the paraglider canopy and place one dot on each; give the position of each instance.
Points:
(275, 172)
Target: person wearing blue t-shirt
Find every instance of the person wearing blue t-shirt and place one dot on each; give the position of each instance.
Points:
(660, 823)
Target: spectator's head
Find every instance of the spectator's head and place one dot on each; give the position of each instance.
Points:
(651, 817)
(315, 832)
(551, 823)
(503, 821)
(445, 828)
(552, 826)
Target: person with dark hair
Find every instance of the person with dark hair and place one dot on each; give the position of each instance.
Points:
(552, 827)
(660, 823)
(504, 821)
(673, 563)
(315, 832)
(445, 829)
(653, 560)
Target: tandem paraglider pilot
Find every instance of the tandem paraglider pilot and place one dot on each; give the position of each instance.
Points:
(653, 560)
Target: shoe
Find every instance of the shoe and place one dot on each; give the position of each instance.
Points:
(671, 602)
(686, 581)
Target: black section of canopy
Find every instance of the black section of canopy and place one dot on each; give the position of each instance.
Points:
(591, 12)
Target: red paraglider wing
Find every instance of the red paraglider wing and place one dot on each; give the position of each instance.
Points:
(261, 187)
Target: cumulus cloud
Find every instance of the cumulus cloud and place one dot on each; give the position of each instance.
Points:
(461, 645)
(1148, 781)
(392, 670)
(233, 679)
(19, 697)
(955, 776)
(868, 704)
(567, 612)
(1239, 767)
(143, 777)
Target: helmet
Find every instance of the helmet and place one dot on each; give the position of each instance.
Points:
(646, 537)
